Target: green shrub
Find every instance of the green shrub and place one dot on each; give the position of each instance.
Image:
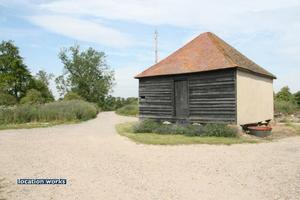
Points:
(114, 103)
(146, 126)
(6, 115)
(128, 110)
(7, 99)
(286, 107)
(194, 130)
(72, 96)
(219, 130)
(68, 110)
(56, 111)
(26, 113)
(152, 126)
(297, 98)
(33, 97)
(179, 129)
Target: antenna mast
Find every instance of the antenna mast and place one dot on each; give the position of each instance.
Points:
(155, 46)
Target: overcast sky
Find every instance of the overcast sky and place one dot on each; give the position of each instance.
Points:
(266, 31)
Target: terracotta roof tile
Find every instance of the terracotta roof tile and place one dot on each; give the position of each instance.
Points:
(204, 53)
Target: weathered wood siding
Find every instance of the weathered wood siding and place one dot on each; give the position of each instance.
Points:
(158, 101)
(211, 97)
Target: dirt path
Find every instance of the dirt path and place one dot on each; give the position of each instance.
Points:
(99, 164)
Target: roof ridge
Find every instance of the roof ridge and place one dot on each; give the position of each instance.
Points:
(214, 38)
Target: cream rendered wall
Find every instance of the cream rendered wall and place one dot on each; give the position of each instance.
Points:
(254, 98)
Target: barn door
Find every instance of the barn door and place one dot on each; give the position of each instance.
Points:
(181, 99)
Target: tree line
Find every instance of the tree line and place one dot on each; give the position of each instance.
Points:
(287, 102)
(85, 76)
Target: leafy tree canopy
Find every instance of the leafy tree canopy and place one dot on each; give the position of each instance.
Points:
(44, 77)
(85, 73)
(285, 95)
(40, 83)
(297, 97)
(14, 75)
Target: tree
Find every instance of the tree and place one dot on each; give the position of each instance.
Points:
(114, 103)
(40, 83)
(110, 103)
(14, 75)
(33, 96)
(85, 73)
(297, 97)
(40, 86)
(44, 77)
(62, 85)
(132, 100)
(285, 95)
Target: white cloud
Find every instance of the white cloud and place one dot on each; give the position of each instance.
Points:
(82, 30)
(179, 13)
(226, 17)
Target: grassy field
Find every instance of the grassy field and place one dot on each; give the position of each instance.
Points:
(125, 129)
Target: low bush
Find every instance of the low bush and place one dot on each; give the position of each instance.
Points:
(57, 111)
(33, 97)
(152, 126)
(146, 126)
(128, 110)
(285, 107)
(7, 99)
(113, 103)
(72, 96)
(219, 130)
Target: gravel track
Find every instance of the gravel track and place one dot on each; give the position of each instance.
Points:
(100, 164)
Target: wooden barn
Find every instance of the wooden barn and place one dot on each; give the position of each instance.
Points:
(206, 81)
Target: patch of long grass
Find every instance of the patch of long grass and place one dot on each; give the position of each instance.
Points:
(62, 111)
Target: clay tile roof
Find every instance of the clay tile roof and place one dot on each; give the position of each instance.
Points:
(204, 53)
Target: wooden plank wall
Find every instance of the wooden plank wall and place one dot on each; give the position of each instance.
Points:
(211, 97)
(158, 101)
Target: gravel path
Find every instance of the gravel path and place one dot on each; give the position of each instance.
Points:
(99, 164)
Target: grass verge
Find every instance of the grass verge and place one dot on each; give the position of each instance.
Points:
(35, 125)
(296, 127)
(125, 129)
